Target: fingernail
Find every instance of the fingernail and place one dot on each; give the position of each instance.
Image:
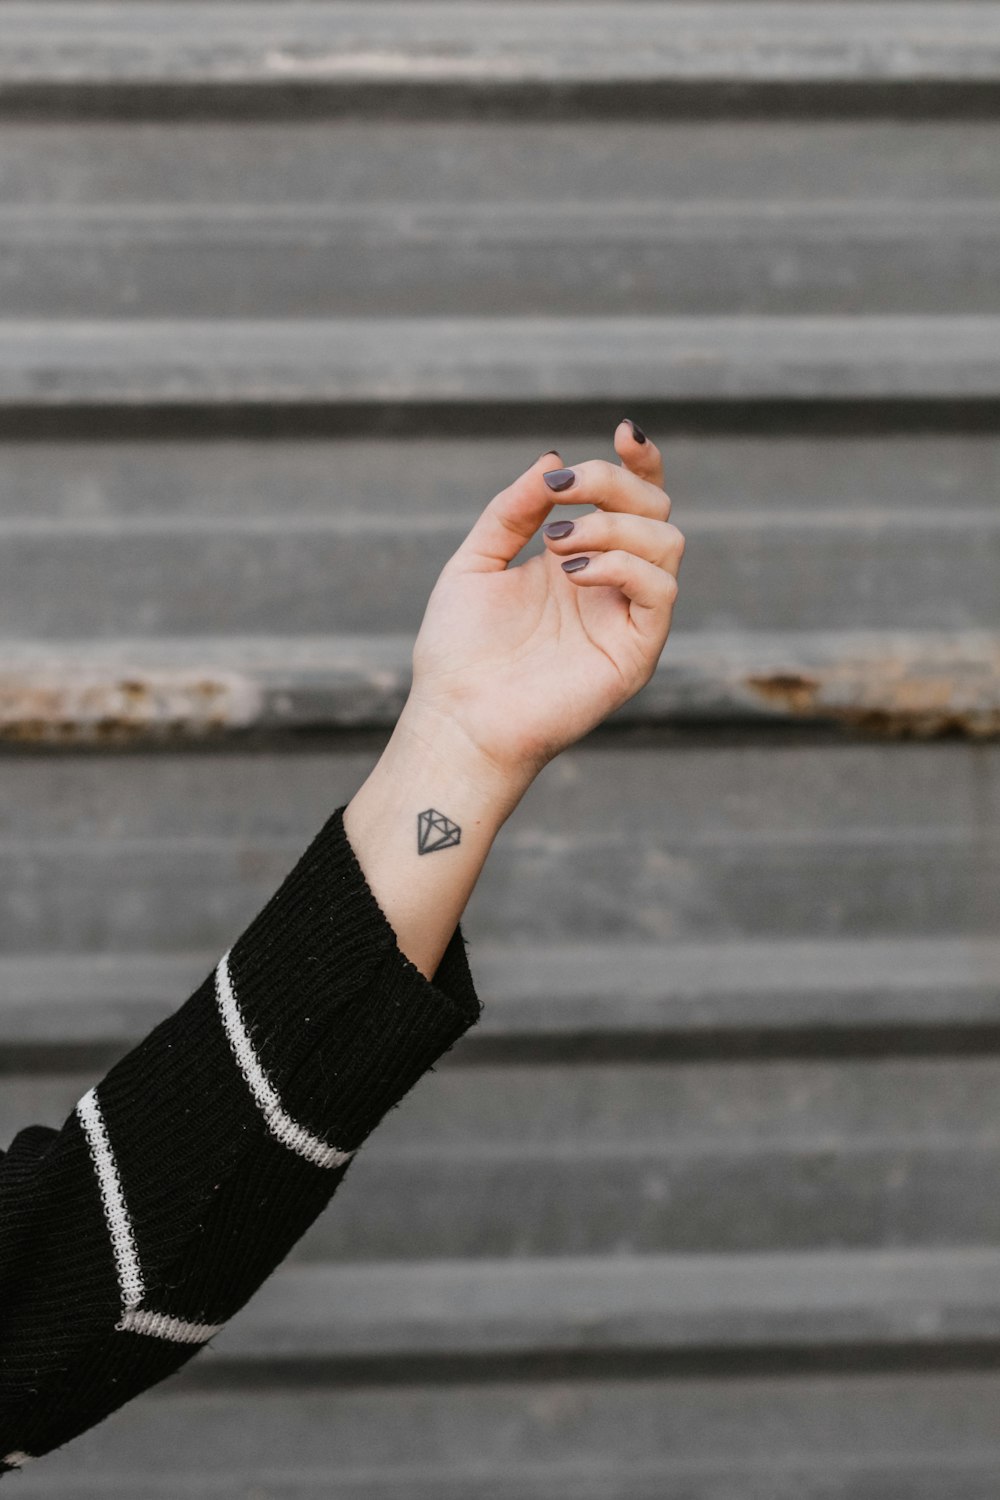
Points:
(554, 451)
(574, 564)
(637, 432)
(559, 479)
(558, 529)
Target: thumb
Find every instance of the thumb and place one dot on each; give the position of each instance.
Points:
(509, 521)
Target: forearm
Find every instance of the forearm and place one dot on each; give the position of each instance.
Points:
(427, 764)
(130, 1236)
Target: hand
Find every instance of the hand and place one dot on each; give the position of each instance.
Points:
(522, 661)
(511, 665)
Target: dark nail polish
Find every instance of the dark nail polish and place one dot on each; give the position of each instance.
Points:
(558, 529)
(637, 432)
(559, 479)
(554, 452)
(574, 564)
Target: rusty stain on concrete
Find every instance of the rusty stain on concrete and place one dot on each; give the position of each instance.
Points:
(917, 689)
(892, 697)
(792, 690)
(87, 707)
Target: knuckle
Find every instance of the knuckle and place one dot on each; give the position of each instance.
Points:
(587, 470)
(676, 542)
(610, 563)
(590, 530)
(671, 588)
(603, 474)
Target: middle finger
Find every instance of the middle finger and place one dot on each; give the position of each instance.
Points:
(608, 486)
(658, 542)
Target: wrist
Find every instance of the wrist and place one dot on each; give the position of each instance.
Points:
(432, 792)
(430, 747)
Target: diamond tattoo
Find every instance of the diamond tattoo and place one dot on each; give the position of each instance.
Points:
(435, 831)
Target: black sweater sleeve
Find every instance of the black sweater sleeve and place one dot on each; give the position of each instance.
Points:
(180, 1181)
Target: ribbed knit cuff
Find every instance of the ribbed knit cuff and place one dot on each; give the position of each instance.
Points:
(342, 1022)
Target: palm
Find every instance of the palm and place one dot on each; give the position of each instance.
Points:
(523, 660)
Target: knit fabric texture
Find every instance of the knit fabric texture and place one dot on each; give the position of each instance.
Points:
(130, 1236)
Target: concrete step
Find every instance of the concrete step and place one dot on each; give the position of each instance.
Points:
(662, 1304)
(745, 1154)
(350, 55)
(789, 474)
(247, 260)
(739, 1156)
(353, 165)
(384, 363)
(773, 1436)
(647, 841)
(570, 1001)
(116, 578)
(902, 683)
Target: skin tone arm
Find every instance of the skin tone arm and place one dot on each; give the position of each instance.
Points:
(512, 665)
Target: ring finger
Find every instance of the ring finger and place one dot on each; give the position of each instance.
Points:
(658, 542)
